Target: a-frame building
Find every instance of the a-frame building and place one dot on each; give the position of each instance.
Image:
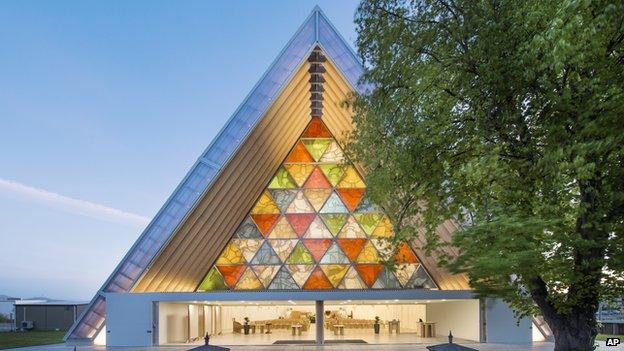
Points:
(274, 211)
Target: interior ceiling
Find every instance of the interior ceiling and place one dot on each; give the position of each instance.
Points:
(196, 244)
(312, 303)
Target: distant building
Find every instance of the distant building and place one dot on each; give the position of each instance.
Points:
(47, 315)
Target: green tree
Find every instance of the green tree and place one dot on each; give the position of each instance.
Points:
(508, 117)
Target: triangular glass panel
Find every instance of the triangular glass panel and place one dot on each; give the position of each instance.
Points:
(369, 272)
(300, 221)
(249, 281)
(351, 196)
(317, 230)
(404, 254)
(248, 247)
(316, 129)
(265, 222)
(366, 206)
(316, 147)
(317, 197)
(404, 272)
(351, 179)
(421, 280)
(231, 255)
(212, 281)
(368, 221)
(334, 205)
(283, 197)
(299, 172)
(368, 254)
(231, 274)
(334, 221)
(248, 230)
(266, 255)
(333, 172)
(335, 272)
(282, 180)
(317, 247)
(334, 255)
(386, 280)
(300, 205)
(283, 248)
(317, 281)
(351, 230)
(352, 280)
(265, 204)
(282, 230)
(265, 273)
(300, 272)
(300, 255)
(384, 229)
(333, 154)
(283, 281)
(299, 154)
(351, 247)
(317, 180)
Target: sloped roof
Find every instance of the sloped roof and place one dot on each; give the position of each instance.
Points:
(316, 30)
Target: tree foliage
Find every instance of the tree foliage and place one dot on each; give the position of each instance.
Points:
(508, 117)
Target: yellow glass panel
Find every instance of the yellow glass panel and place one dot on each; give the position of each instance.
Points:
(248, 281)
(335, 272)
(368, 254)
(265, 205)
(351, 179)
(384, 229)
(231, 255)
(248, 247)
(282, 230)
(299, 172)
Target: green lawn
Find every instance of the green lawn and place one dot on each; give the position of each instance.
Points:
(30, 338)
(603, 337)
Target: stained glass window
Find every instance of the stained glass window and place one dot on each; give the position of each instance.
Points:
(314, 228)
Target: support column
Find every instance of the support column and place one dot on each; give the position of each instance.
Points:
(320, 323)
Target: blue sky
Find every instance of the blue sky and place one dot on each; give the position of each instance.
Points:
(104, 106)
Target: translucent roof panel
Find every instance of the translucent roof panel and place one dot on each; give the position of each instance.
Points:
(315, 30)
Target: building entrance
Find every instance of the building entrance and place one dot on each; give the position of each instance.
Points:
(283, 322)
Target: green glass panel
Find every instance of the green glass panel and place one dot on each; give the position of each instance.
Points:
(266, 255)
(333, 172)
(283, 281)
(300, 255)
(368, 221)
(334, 221)
(248, 230)
(282, 180)
(334, 255)
(213, 281)
(316, 147)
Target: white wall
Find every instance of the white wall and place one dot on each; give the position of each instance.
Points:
(172, 323)
(128, 320)
(501, 325)
(460, 317)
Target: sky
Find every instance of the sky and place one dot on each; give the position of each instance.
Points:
(104, 107)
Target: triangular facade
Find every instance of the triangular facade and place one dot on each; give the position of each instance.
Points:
(273, 204)
(308, 225)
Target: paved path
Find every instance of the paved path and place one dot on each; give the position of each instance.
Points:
(351, 347)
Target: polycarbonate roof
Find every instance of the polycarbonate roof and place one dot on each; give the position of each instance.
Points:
(316, 30)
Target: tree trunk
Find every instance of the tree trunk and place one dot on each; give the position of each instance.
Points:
(577, 335)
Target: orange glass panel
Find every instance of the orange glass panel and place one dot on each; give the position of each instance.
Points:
(405, 255)
(351, 197)
(316, 129)
(265, 222)
(317, 280)
(231, 274)
(299, 154)
(317, 180)
(351, 247)
(317, 247)
(300, 221)
(369, 272)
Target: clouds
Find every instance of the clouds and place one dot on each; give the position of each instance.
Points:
(71, 205)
